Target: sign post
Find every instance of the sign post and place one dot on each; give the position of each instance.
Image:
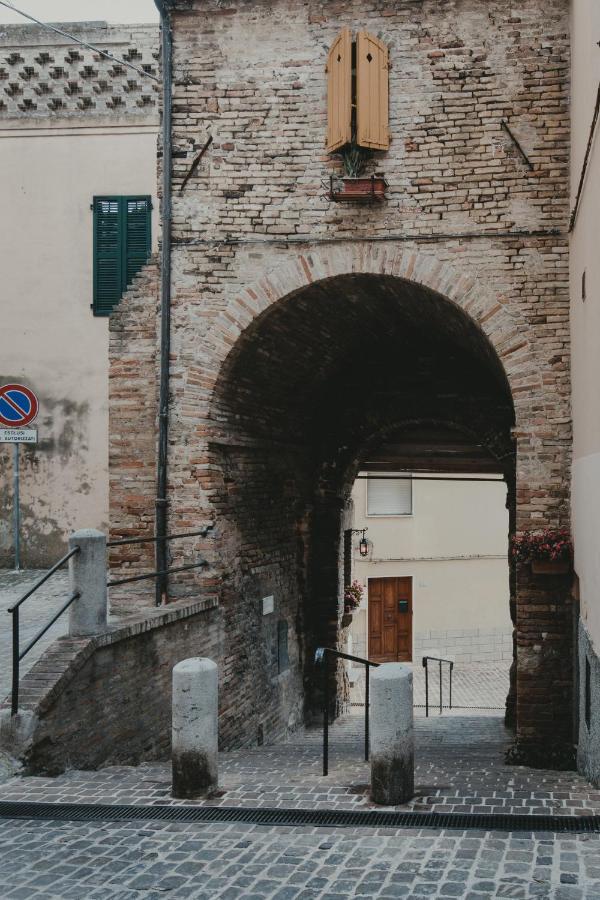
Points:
(18, 407)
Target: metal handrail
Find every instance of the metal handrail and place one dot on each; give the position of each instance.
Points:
(44, 578)
(321, 659)
(159, 574)
(439, 660)
(167, 537)
(17, 653)
(147, 575)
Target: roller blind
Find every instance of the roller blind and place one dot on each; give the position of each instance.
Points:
(389, 497)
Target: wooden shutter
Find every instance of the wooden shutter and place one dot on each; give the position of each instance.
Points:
(372, 92)
(339, 92)
(137, 236)
(122, 244)
(108, 256)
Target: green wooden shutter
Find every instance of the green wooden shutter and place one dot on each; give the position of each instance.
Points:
(136, 248)
(122, 243)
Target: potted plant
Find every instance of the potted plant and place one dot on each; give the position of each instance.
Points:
(549, 551)
(352, 599)
(355, 185)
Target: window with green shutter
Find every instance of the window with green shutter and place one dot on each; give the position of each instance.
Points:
(122, 245)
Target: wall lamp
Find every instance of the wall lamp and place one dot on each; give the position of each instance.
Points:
(363, 544)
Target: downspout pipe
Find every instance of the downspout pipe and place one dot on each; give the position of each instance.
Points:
(162, 585)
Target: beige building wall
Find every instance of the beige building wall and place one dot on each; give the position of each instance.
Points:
(585, 313)
(454, 546)
(51, 167)
(585, 364)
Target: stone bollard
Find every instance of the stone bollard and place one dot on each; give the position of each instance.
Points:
(392, 736)
(87, 575)
(194, 730)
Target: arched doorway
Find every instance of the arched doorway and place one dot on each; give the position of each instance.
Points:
(323, 379)
(283, 388)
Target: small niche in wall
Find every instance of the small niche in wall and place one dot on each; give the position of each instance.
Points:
(283, 659)
(588, 694)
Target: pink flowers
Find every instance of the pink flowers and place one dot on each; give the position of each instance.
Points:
(552, 544)
(352, 596)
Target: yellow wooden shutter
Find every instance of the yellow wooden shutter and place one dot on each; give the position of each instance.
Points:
(372, 92)
(339, 92)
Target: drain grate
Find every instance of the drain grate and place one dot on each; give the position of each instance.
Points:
(88, 812)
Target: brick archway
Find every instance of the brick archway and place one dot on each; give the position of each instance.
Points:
(508, 332)
(247, 362)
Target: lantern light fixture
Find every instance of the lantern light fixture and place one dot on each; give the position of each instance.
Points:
(363, 544)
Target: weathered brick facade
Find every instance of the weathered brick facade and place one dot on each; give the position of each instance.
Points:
(305, 331)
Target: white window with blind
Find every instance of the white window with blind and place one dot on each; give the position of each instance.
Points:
(389, 496)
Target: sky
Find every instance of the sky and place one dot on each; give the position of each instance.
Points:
(81, 10)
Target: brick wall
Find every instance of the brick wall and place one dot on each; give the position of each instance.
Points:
(305, 330)
(98, 701)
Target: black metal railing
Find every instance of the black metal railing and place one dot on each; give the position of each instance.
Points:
(17, 653)
(441, 662)
(164, 572)
(321, 659)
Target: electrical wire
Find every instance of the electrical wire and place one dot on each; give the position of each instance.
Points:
(122, 62)
(372, 238)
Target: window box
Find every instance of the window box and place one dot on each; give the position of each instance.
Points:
(550, 566)
(365, 188)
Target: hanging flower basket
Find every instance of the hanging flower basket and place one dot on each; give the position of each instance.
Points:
(549, 551)
(352, 597)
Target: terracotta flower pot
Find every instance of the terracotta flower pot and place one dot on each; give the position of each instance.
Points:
(346, 619)
(364, 188)
(550, 566)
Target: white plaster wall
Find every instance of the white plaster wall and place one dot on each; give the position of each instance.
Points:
(585, 313)
(49, 338)
(455, 547)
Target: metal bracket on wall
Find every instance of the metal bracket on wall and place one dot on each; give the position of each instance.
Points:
(195, 164)
(515, 141)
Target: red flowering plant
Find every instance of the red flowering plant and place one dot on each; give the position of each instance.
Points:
(352, 596)
(550, 544)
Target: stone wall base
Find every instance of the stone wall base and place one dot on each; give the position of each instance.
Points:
(588, 751)
(106, 700)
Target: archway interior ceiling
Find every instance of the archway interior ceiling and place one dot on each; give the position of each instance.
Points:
(369, 371)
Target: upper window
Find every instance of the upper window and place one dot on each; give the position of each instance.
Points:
(357, 92)
(122, 243)
(389, 496)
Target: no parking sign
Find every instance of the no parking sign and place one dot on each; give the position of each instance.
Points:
(18, 408)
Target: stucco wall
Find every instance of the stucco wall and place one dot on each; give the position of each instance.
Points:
(454, 546)
(585, 313)
(585, 328)
(52, 163)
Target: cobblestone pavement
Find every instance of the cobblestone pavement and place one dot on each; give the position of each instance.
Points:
(98, 861)
(459, 768)
(34, 613)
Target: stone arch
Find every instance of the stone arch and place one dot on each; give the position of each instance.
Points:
(226, 469)
(506, 330)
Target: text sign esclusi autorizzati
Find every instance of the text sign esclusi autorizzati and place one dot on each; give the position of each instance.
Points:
(18, 435)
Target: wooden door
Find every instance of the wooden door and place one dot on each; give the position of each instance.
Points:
(390, 619)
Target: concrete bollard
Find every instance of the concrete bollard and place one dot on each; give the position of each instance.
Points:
(194, 728)
(87, 575)
(392, 734)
